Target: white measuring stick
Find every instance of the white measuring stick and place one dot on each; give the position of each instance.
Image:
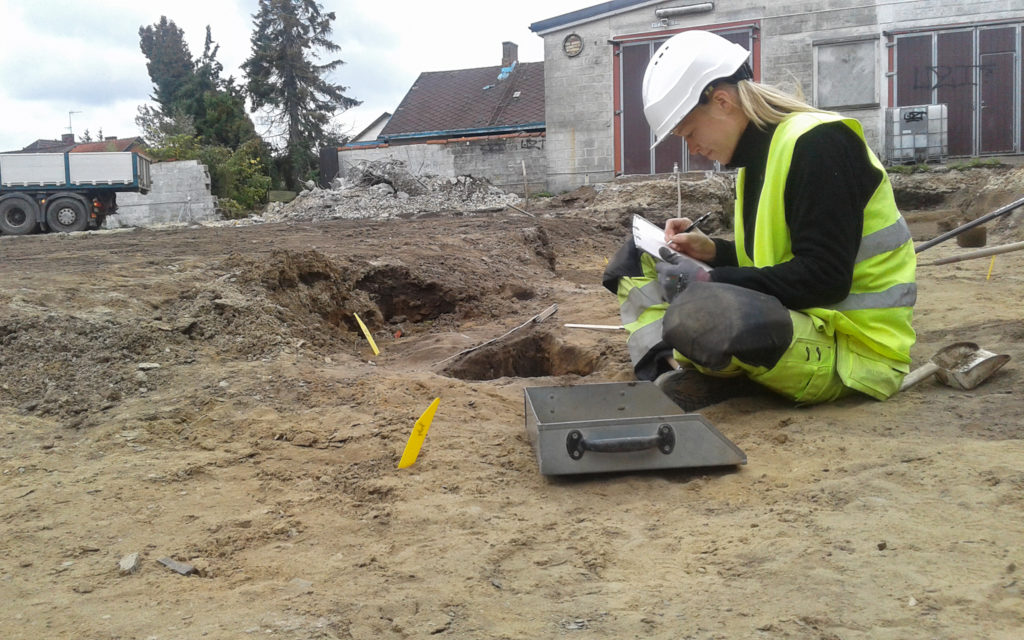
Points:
(599, 327)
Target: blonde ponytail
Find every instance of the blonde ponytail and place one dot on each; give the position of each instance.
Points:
(766, 106)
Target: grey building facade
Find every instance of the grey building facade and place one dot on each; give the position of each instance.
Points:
(868, 59)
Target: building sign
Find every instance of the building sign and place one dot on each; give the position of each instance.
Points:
(572, 45)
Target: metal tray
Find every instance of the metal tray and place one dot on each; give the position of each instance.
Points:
(619, 426)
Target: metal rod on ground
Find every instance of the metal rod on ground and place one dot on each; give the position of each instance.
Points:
(526, 186)
(679, 191)
(522, 211)
(969, 225)
(537, 319)
(981, 253)
(598, 327)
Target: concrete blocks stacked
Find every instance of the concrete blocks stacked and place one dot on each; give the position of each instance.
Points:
(500, 159)
(180, 194)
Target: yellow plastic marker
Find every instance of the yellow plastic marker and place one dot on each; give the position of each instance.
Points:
(990, 265)
(419, 432)
(366, 333)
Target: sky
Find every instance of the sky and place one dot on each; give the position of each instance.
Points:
(75, 65)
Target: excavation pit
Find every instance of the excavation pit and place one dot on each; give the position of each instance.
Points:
(530, 356)
(398, 294)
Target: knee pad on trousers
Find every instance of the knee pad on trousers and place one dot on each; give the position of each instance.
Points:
(710, 323)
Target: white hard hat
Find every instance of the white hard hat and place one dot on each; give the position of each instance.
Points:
(681, 68)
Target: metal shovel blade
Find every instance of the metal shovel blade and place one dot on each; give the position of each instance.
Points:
(961, 365)
(968, 366)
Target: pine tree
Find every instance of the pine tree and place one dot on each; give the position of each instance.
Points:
(170, 63)
(285, 80)
(190, 93)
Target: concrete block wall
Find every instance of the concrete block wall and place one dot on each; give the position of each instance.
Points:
(499, 159)
(418, 158)
(788, 35)
(579, 108)
(180, 193)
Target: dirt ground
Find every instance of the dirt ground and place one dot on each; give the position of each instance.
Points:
(204, 395)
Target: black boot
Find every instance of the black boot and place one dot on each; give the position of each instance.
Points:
(692, 390)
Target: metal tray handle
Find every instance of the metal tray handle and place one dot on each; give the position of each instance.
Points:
(664, 440)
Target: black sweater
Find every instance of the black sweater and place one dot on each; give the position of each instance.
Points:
(829, 183)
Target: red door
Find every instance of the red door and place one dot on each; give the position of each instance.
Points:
(997, 62)
(954, 82)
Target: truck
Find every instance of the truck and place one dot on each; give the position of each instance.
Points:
(67, 191)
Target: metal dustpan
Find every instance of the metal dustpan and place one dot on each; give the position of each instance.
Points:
(961, 365)
(619, 426)
(966, 365)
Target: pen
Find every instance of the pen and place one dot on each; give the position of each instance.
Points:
(693, 225)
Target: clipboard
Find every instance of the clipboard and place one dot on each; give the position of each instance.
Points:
(650, 239)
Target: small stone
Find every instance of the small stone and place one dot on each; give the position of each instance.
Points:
(148, 366)
(305, 439)
(882, 545)
(130, 564)
(912, 602)
(183, 568)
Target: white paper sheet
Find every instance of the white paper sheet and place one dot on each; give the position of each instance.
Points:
(650, 238)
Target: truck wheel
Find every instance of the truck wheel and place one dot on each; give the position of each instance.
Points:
(19, 215)
(66, 215)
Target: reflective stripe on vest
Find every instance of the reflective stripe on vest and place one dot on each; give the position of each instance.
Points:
(644, 339)
(884, 240)
(639, 300)
(898, 295)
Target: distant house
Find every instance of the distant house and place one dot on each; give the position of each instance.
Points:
(486, 122)
(110, 143)
(471, 102)
(67, 144)
(369, 135)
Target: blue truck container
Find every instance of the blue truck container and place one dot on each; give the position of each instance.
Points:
(66, 191)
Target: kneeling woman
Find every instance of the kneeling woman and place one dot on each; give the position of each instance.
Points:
(814, 297)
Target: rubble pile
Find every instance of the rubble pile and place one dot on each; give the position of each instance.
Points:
(386, 189)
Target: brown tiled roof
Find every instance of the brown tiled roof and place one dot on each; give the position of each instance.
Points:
(471, 100)
(46, 146)
(118, 144)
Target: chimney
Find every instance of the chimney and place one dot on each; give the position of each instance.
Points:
(67, 138)
(509, 54)
(109, 138)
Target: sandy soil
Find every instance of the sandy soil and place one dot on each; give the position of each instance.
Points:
(204, 395)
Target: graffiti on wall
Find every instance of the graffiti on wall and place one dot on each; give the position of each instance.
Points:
(507, 146)
(951, 76)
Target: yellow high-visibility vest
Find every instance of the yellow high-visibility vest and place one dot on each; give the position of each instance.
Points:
(873, 324)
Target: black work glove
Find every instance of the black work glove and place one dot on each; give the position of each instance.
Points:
(675, 272)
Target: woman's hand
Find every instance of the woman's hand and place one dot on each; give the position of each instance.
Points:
(694, 243)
